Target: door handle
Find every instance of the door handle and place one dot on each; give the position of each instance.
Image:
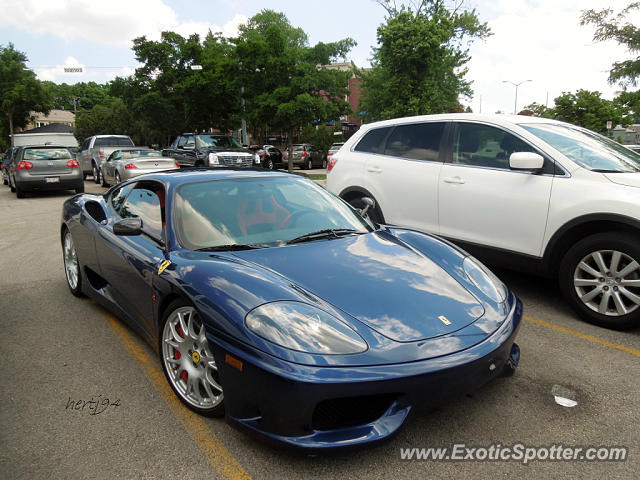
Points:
(457, 180)
(374, 169)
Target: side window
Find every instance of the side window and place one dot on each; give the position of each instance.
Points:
(85, 144)
(182, 141)
(487, 146)
(144, 204)
(118, 196)
(419, 141)
(373, 141)
(189, 142)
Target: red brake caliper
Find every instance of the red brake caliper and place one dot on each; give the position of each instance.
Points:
(177, 355)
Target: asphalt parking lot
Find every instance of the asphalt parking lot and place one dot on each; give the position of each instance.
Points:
(58, 350)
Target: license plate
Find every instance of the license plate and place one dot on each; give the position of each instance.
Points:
(52, 179)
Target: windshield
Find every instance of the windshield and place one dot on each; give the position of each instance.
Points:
(588, 149)
(217, 141)
(140, 153)
(46, 154)
(113, 142)
(257, 211)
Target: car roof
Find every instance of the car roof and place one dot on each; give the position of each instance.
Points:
(496, 119)
(195, 174)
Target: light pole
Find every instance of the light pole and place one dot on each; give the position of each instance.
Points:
(515, 105)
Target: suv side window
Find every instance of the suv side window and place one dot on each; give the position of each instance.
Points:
(373, 141)
(418, 141)
(487, 146)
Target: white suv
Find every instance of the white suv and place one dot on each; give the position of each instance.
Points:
(525, 192)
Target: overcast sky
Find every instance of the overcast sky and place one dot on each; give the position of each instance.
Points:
(537, 40)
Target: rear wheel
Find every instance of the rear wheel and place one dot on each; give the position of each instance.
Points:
(270, 164)
(19, 191)
(71, 264)
(309, 164)
(324, 163)
(374, 214)
(187, 360)
(80, 189)
(118, 178)
(102, 181)
(13, 189)
(600, 278)
(95, 171)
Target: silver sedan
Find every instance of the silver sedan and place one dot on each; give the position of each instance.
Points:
(126, 163)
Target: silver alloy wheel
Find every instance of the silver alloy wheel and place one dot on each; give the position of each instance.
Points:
(70, 261)
(188, 360)
(95, 172)
(118, 178)
(608, 282)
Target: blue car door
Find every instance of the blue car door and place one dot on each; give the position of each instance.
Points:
(129, 263)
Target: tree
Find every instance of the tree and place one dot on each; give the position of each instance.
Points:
(284, 81)
(539, 110)
(104, 119)
(20, 91)
(610, 26)
(587, 109)
(419, 64)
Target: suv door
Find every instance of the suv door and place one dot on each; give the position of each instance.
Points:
(482, 201)
(401, 171)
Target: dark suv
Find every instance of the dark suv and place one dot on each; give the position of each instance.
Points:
(210, 149)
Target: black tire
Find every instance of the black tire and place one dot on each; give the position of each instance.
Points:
(270, 164)
(76, 289)
(309, 164)
(118, 180)
(324, 163)
(96, 173)
(607, 291)
(168, 357)
(103, 182)
(13, 189)
(19, 192)
(5, 181)
(80, 189)
(374, 214)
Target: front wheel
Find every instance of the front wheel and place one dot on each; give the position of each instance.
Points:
(600, 278)
(71, 264)
(187, 360)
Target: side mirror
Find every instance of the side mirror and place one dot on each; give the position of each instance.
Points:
(128, 227)
(368, 203)
(527, 161)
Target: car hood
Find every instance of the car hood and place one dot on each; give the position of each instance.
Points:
(630, 179)
(228, 149)
(376, 278)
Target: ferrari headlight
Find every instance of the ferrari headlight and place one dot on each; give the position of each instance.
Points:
(303, 327)
(485, 280)
(256, 158)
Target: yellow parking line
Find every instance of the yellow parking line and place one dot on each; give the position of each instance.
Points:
(584, 336)
(213, 449)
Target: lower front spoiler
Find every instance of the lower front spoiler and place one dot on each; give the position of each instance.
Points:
(299, 408)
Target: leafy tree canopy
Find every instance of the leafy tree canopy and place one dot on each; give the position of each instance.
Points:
(20, 91)
(611, 26)
(419, 64)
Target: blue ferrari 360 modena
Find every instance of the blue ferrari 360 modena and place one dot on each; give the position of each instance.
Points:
(275, 303)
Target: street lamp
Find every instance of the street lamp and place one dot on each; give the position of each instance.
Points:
(515, 105)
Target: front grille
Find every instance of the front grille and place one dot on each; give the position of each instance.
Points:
(350, 411)
(236, 159)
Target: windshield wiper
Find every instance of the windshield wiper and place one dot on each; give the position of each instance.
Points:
(326, 233)
(228, 248)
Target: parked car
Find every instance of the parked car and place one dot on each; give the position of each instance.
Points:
(278, 305)
(95, 149)
(306, 156)
(130, 162)
(270, 157)
(36, 168)
(210, 150)
(4, 165)
(524, 192)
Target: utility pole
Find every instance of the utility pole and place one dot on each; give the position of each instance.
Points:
(515, 105)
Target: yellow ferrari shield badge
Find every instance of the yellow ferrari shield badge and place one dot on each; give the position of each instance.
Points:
(163, 266)
(196, 357)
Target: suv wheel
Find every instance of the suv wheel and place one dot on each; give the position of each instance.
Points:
(374, 214)
(600, 277)
(309, 164)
